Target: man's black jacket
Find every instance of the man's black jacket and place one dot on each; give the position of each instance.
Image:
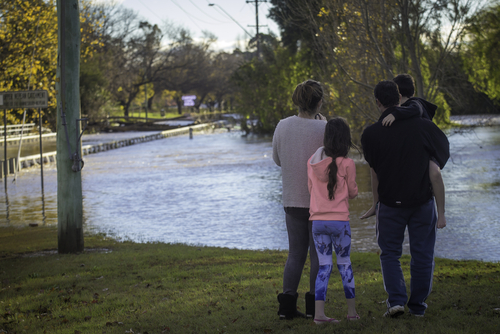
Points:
(399, 154)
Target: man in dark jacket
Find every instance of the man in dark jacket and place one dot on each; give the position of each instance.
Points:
(399, 159)
(406, 86)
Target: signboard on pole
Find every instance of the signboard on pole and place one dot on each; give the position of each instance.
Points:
(189, 100)
(24, 99)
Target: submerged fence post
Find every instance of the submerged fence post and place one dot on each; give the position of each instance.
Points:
(41, 147)
(5, 166)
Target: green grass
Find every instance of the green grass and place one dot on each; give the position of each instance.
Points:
(115, 287)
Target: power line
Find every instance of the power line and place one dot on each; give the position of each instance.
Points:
(214, 4)
(189, 16)
(213, 18)
(150, 10)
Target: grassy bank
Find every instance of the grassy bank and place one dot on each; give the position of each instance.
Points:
(123, 287)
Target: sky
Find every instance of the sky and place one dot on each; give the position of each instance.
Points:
(197, 16)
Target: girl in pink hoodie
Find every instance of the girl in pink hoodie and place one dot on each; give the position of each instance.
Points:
(332, 182)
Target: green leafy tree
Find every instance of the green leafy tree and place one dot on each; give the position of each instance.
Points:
(481, 58)
(265, 86)
(357, 43)
(28, 50)
(191, 70)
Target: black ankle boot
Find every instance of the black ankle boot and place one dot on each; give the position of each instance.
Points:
(310, 304)
(288, 307)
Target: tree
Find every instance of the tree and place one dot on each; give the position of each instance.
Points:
(291, 23)
(481, 52)
(191, 70)
(28, 49)
(358, 43)
(135, 62)
(224, 65)
(265, 86)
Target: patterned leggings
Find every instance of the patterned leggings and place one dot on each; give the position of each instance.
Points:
(328, 235)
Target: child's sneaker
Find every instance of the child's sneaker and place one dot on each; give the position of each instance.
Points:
(395, 311)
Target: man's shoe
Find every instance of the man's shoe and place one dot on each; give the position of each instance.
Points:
(395, 311)
(416, 315)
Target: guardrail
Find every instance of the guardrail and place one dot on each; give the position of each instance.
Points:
(15, 130)
(28, 139)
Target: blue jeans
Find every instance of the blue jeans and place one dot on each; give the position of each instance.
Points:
(391, 225)
(332, 236)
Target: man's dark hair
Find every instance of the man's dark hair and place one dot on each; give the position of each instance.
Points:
(387, 93)
(406, 84)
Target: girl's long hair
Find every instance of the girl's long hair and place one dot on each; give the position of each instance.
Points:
(337, 143)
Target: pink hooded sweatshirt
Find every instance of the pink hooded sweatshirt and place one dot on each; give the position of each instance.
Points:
(321, 207)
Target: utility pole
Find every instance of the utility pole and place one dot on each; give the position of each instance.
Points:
(256, 3)
(69, 178)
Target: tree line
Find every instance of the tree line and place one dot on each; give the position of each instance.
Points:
(450, 47)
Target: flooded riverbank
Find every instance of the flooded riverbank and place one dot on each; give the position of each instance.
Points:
(224, 190)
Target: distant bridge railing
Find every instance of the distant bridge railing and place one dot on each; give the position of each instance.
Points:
(34, 160)
(15, 130)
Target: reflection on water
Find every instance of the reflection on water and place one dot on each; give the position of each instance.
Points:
(225, 190)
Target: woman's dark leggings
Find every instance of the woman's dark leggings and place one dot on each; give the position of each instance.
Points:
(300, 240)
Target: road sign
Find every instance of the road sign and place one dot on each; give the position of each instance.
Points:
(24, 99)
(189, 100)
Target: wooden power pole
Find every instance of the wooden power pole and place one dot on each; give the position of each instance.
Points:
(69, 178)
(257, 35)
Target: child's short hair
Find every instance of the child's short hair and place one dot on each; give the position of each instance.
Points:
(387, 93)
(406, 84)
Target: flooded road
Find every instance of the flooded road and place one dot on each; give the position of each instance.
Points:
(224, 190)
